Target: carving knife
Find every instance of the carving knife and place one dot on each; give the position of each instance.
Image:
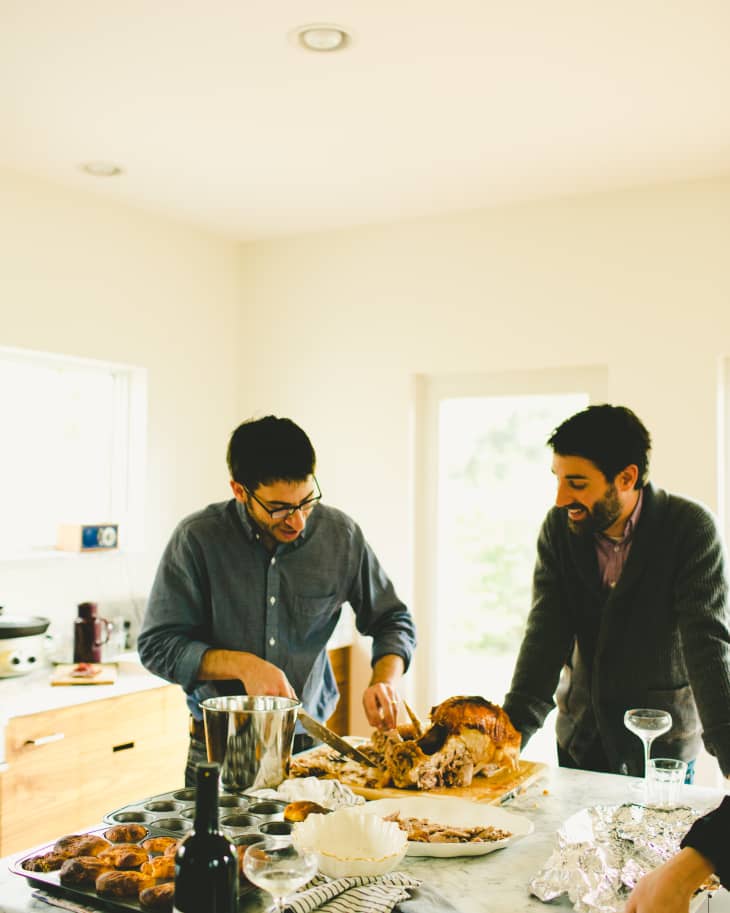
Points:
(323, 734)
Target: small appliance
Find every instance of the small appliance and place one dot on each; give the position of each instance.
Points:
(23, 644)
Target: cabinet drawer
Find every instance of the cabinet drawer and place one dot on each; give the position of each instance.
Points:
(68, 767)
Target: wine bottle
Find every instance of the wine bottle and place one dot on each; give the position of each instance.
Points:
(206, 865)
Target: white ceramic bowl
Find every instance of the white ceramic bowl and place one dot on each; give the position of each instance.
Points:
(349, 843)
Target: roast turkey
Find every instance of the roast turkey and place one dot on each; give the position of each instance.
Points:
(467, 735)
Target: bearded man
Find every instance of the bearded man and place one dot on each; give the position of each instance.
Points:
(629, 607)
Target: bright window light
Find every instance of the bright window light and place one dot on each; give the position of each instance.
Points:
(72, 448)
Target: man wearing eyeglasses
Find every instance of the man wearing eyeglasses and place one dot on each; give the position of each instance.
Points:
(248, 591)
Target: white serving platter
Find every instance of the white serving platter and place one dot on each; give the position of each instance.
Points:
(454, 812)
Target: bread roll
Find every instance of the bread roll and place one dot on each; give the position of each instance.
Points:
(298, 811)
(159, 898)
(172, 849)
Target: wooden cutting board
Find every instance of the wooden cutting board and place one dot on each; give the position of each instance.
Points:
(104, 674)
(482, 789)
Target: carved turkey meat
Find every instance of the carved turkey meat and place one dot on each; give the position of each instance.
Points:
(467, 735)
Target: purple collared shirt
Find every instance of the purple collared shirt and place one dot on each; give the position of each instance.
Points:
(612, 553)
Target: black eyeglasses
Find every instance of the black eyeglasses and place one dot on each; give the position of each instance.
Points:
(283, 513)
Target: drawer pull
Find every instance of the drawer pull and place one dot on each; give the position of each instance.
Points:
(45, 739)
(123, 747)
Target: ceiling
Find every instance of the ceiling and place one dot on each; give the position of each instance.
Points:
(219, 118)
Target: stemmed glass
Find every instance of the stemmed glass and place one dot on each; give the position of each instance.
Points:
(278, 867)
(647, 725)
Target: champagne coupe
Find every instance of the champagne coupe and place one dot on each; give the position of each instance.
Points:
(278, 867)
(647, 725)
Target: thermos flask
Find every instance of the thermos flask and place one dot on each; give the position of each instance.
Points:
(90, 634)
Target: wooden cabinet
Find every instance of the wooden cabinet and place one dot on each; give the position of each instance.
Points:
(67, 768)
(339, 722)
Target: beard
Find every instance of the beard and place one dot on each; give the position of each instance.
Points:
(603, 514)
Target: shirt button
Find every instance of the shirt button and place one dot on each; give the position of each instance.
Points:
(272, 599)
(272, 641)
(273, 560)
(612, 584)
(615, 548)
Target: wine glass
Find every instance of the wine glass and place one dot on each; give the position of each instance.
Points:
(647, 725)
(278, 867)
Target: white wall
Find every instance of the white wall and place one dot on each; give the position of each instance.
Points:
(84, 277)
(637, 281)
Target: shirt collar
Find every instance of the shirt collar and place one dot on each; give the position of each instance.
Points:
(253, 533)
(631, 523)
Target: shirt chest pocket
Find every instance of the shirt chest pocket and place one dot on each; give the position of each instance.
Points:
(315, 606)
(311, 613)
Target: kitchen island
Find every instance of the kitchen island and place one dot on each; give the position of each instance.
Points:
(493, 883)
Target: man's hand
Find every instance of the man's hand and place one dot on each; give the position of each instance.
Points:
(669, 888)
(257, 675)
(380, 699)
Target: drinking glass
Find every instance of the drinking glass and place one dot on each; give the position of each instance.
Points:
(278, 867)
(647, 724)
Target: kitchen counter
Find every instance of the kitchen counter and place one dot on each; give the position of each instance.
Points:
(494, 883)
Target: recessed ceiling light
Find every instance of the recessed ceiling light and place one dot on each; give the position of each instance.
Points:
(323, 37)
(101, 169)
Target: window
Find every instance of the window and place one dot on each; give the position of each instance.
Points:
(485, 489)
(72, 448)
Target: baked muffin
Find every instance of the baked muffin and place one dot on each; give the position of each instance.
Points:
(126, 833)
(159, 898)
(161, 867)
(48, 862)
(80, 845)
(83, 870)
(124, 856)
(160, 844)
(122, 884)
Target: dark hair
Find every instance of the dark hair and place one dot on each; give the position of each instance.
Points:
(269, 449)
(611, 437)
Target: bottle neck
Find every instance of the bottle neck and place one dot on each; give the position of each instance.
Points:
(206, 802)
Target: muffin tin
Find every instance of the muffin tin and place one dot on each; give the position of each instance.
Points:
(243, 819)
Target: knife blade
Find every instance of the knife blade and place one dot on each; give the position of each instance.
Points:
(324, 734)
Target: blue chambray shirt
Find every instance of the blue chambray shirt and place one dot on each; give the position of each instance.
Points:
(217, 586)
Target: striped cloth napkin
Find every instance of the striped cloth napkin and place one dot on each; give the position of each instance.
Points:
(355, 894)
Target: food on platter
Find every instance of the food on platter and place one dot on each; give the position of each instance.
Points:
(298, 811)
(467, 736)
(462, 816)
(423, 830)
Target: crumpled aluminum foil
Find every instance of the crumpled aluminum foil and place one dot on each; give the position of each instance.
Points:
(603, 851)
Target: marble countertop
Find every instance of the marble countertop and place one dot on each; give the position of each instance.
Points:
(494, 883)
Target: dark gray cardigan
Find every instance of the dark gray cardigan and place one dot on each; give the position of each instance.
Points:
(659, 639)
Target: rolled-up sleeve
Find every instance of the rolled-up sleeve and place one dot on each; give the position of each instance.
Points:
(170, 643)
(379, 613)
